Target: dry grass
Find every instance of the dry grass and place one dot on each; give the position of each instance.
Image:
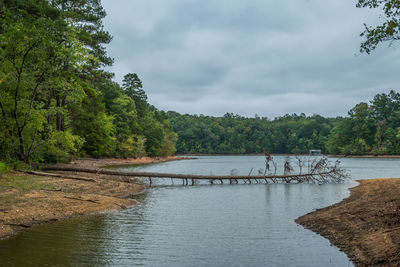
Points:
(18, 181)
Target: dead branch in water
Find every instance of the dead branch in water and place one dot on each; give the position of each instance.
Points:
(319, 171)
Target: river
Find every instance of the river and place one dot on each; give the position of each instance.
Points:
(203, 225)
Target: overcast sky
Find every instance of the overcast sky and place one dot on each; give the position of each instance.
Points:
(250, 57)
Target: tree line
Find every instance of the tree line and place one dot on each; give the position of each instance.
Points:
(234, 134)
(56, 100)
(370, 128)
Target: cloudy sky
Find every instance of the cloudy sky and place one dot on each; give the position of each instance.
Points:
(250, 57)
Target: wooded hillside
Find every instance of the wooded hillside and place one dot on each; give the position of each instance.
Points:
(56, 100)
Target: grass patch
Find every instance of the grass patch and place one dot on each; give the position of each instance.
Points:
(4, 168)
(21, 182)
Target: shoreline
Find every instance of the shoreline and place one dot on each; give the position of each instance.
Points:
(120, 162)
(27, 200)
(367, 156)
(366, 225)
(281, 154)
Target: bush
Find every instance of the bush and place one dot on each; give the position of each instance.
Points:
(4, 167)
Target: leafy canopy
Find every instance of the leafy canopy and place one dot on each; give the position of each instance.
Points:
(389, 30)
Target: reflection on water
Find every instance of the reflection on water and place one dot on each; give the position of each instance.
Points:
(66, 243)
(227, 225)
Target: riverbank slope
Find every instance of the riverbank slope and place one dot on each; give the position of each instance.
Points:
(366, 225)
(28, 199)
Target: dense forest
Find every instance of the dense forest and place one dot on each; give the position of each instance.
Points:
(56, 100)
(235, 134)
(370, 129)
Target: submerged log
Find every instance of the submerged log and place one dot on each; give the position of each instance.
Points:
(329, 175)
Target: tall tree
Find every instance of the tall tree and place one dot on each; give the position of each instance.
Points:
(86, 18)
(34, 42)
(133, 88)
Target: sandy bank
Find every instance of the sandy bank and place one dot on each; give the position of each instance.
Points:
(366, 226)
(108, 162)
(28, 199)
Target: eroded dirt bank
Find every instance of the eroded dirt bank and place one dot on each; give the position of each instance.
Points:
(30, 199)
(27, 200)
(366, 226)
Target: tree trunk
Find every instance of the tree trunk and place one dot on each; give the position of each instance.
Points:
(22, 153)
(48, 108)
(63, 103)
(60, 102)
(334, 175)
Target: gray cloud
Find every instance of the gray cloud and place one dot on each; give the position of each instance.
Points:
(248, 57)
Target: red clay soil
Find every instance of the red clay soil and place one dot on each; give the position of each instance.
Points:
(366, 225)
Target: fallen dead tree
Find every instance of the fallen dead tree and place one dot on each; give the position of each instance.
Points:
(319, 171)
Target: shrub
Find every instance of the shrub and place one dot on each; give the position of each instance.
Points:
(4, 167)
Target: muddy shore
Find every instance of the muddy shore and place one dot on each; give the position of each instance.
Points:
(27, 200)
(366, 225)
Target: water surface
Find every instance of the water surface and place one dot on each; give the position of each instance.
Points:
(220, 225)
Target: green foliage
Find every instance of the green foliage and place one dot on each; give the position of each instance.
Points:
(90, 121)
(4, 167)
(59, 147)
(170, 139)
(132, 87)
(233, 134)
(371, 129)
(133, 146)
(36, 43)
(389, 30)
(55, 101)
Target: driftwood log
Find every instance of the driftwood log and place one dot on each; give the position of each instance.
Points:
(326, 175)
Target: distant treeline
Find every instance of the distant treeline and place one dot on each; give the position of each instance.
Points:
(370, 129)
(56, 100)
(233, 134)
